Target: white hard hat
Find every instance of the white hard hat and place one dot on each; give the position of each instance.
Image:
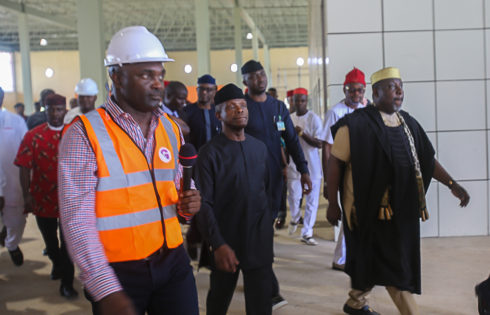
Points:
(86, 87)
(134, 44)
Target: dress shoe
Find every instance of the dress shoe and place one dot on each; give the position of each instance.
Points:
(279, 224)
(278, 301)
(338, 267)
(68, 292)
(17, 256)
(365, 310)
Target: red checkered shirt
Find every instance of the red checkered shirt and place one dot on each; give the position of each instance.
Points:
(77, 179)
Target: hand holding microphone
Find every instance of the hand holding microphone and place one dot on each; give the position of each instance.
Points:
(189, 199)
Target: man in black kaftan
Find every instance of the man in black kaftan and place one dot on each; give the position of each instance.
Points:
(382, 162)
(236, 218)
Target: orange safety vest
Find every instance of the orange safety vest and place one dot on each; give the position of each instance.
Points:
(133, 198)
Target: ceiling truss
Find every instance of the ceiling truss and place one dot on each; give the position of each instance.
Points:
(282, 23)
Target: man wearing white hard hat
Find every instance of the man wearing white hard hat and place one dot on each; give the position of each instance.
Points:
(87, 92)
(120, 190)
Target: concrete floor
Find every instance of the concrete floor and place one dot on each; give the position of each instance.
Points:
(451, 268)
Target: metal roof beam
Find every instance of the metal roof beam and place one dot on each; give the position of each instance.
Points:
(250, 22)
(7, 48)
(21, 8)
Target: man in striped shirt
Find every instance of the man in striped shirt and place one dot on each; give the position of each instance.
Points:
(163, 280)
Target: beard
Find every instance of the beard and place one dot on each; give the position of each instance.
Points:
(257, 91)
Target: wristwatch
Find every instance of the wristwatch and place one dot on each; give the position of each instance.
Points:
(451, 184)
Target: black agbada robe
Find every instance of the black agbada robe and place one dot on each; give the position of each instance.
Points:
(385, 252)
(233, 179)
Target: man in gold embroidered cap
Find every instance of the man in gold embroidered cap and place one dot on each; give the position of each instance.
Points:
(386, 163)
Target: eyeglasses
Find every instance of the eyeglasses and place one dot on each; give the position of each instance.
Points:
(203, 89)
(352, 91)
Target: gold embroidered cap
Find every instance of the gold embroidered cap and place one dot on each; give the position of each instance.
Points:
(385, 73)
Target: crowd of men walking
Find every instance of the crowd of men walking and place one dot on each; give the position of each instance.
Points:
(111, 181)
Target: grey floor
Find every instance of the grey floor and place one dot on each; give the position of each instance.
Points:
(451, 268)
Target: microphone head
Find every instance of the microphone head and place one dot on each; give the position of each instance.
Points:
(187, 155)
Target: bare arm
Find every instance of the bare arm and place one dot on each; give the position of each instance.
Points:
(25, 183)
(314, 142)
(285, 163)
(326, 148)
(443, 177)
(334, 171)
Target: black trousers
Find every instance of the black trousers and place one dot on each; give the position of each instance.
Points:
(162, 284)
(193, 236)
(56, 249)
(283, 208)
(275, 285)
(257, 287)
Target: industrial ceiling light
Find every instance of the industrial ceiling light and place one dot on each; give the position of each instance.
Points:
(234, 67)
(187, 68)
(250, 36)
(43, 42)
(49, 73)
(300, 61)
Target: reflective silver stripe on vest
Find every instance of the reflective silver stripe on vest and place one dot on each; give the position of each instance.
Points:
(117, 179)
(173, 140)
(111, 158)
(134, 179)
(135, 218)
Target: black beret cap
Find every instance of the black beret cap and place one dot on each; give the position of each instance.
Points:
(251, 66)
(228, 92)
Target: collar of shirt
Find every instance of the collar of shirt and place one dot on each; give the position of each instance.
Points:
(55, 128)
(168, 111)
(359, 105)
(132, 128)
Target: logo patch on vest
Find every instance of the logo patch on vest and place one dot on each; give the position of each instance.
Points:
(164, 154)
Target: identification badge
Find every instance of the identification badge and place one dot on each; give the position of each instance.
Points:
(280, 125)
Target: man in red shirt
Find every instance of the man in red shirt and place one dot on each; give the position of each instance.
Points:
(38, 162)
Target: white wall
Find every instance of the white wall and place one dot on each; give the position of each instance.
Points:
(441, 48)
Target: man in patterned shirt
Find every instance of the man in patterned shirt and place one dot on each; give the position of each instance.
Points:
(38, 161)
